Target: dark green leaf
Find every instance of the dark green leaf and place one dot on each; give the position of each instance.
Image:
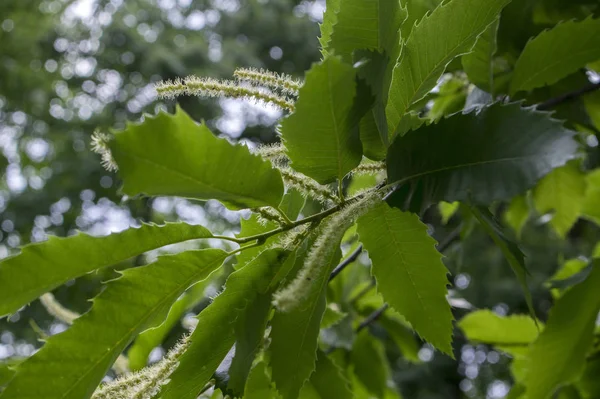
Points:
(259, 385)
(449, 31)
(173, 155)
(479, 64)
(328, 380)
(409, 271)
(215, 333)
(558, 355)
(556, 53)
(294, 335)
(72, 364)
(489, 154)
(510, 250)
(321, 135)
(41, 267)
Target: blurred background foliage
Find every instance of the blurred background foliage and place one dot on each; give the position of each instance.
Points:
(69, 67)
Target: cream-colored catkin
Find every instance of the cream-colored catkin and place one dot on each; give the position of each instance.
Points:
(57, 310)
(275, 153)
(146, 383)
(369, 168)
(100, 146)
(278, 81)
(307, 186)
(316, 266)
(209, 87)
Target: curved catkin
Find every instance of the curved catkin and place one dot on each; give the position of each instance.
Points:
(100, 146)
(146, 383)
(307, 186)
(317, 264)
(274, 80)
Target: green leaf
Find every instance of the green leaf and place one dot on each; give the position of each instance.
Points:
(72, 364)
(451, 99)
(215, 333)
(510, 250)
(328, 380)
(449, 31)
(259, 385)
(370, 364)
(43, 266)
(481, 156)
(367, 24)
(402, 336)
(559, 354)
(409, 271)
(332, 316)
(326, 27)
(373, 146)
(488, 327)
(249, 333)
(591, 102)
(149, 339)
(447, 210)
(320, 136)
(590, 209)
(294, 335)
(479, 64)
(173, 155)
(555, 54)
(561, 191)
(517, 213)
(6, 374)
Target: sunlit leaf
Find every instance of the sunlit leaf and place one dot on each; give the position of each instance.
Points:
(324, 115)
(489, 154)
(490, 328)
(41, 267)
(72, 364)
(561, 192)
(173, 155)
(591, 208)
(556, 53)
(449, 31)
(409, 271)
(447, 210)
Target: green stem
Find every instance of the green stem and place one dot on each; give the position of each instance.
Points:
(284, 216)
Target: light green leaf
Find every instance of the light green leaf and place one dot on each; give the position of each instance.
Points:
(517, 213)
(326, 27)
(149, 339)
(367, 24)
(481, 156)
(370, 364)
(449, 31)
(479, 64)
(591, 208)
(259, 385)
(72, 364)
(591, 102)
(321, 135)
(294, 335)
(447, 210)
(328, 380)
(409, 271)
(488, 327)
(510, 250)
(332, 316)
(215, 333)
(555, 54)
(451, 98)
(558, 355)
(173, 155)
(561, 191)
(43, 266)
